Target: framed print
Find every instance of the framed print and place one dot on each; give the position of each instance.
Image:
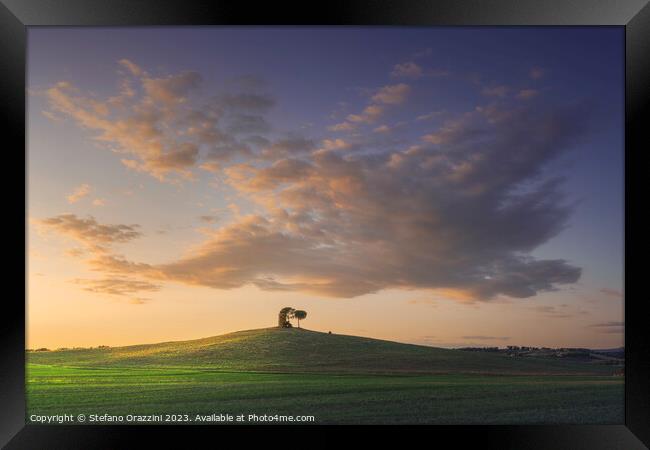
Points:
(402, 216)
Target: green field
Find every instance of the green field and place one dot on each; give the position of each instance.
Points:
(336, 379)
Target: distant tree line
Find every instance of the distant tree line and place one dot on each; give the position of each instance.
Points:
(62, 349)
(602, 357)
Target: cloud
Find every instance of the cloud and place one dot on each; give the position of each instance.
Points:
(209, 218)
(383, 98)
(99, 202)
(392, 94)
(90, 232)
(249, 124)
(459, 214)
(116, 286)
(423, 53)
(464, 128)
(246, 82)
(429, 116)
(247, 178)
(336, 144)
(249, 252)
(437, 73)
(369, 115)
(75, 252)
(425, 301)
(98, 239)
(495, 91)
(609, 327)
(612, 293)
(247, 102)
(382, 129)
(451, 217)
(133, 68)
(526, 94)
(79, 193)
(171, 89)
(407, 70)
(487, 338)
(343, 126)
(112, 264)
(556, 312)
(536, 73)
(159, 126)
(414, 71)
(286, 147)
(139, 132)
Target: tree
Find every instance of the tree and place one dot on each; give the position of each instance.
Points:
(286, 313)
(300, 315)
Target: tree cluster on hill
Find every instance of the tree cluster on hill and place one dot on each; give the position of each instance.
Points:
(287, 313)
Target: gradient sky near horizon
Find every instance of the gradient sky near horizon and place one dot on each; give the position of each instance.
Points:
(440, 186)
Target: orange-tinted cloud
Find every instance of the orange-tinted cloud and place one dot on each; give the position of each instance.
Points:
(612, 293)
(536, 73)
(383, 98)
(407, 70)
(159, 126)
(526, 94)
(79, 193)
(90, 232)
(609, 327)
(447, 214)
(116, 286)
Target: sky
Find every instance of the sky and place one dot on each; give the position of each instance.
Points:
(439, 186)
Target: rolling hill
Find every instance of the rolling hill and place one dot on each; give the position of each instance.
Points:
(293, 350)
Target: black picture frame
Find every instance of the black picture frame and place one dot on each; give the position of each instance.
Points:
(633, 15)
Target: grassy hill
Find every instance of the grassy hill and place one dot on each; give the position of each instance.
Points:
(301, 351)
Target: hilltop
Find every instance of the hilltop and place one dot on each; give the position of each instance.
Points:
(303, 351)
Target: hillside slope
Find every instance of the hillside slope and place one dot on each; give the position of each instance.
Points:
(300, 350)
